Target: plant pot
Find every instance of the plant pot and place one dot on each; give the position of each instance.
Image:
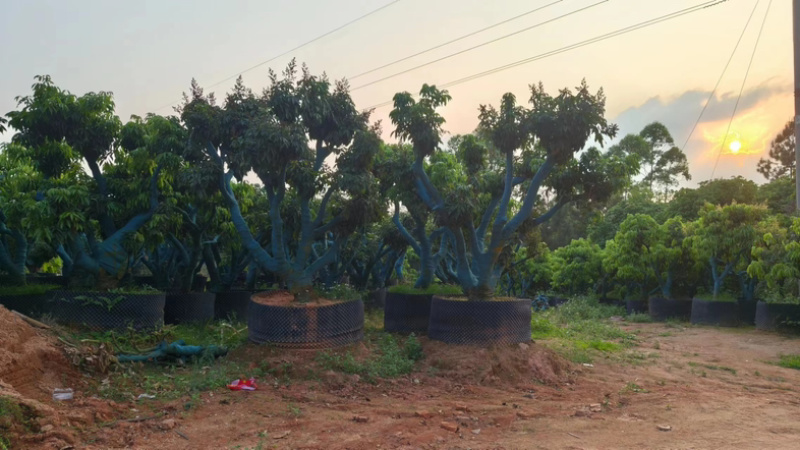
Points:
(636, 306)
(233, 304)
(377, 298)
(306, 326)
(406, 313)
(189, 307)
(554, 301)
(661, 308)
(777, 316)
(610, 301)
(747, 311)
(32, 305)
(53, 279)
(480, 323)
(723, 314)
(107, 311)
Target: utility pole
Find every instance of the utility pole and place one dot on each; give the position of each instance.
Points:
(796, 32)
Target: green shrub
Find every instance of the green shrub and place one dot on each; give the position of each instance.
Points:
(434, 289)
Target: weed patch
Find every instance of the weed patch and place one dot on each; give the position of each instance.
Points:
(640, 318)
(790, 361)
(390, 359)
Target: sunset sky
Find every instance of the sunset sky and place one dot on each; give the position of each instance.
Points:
(147, 51)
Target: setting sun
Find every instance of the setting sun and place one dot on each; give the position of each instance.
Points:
(735, 146)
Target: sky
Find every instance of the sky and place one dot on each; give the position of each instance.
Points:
(146, 52)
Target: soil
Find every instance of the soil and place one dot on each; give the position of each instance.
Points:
(711, 388)
(286, 298)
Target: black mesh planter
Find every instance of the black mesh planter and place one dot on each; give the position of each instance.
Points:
(406, 313)
(307, 326)
(636, 306)
(661, 308)
(377, 298)
(777, 316)
(747, 311)
(106, 311)
(480, 323)
(188, 308)
(723, 314)
(55, 280)
(233, 304)
(611, 301)
(32, 305)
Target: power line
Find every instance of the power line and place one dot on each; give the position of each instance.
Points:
(455, 40)
(741, 89)
(719, 80)
(477, 46)
(567, 48)
(273, 58)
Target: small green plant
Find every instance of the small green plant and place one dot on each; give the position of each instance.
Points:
(632, 387)
(790, 361)
(390, 359)
(104, 302)
(640, 318)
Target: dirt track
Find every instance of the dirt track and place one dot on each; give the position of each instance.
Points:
(680, 378)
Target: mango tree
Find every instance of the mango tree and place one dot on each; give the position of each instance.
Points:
(538, 151)
(724, 237)
(284, 136)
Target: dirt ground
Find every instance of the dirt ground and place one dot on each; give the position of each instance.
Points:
(712, 388)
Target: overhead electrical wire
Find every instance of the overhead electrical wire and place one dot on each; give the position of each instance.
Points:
(436, 47)
(483, 44)
(741, 89)
(273, 58)
(721, 75)
(567, 48)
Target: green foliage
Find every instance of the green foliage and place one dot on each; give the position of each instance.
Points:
(790, 361)
(577, 267)
(29, 289)
(434, 289)
(639, 318)
(781, 155)
(688, 203)
(390, 359)
(107, 303)
(776, 260)
(343, 292)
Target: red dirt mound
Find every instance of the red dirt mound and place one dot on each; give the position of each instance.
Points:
(31, 362)
(516, 365)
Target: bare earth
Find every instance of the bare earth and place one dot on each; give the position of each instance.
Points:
(679, 378)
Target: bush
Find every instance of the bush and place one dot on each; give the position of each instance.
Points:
(30, 289)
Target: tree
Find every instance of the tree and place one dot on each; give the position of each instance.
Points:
(96, 225)
(662, 162)
(536, 150)
(687, 202)
(724, 238)
(577, 267)
(270, 135)
(781, 155)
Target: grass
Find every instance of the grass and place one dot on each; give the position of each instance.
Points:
(790, 361)
(713, 367)
(28, 289)
(13, 413)
(580, 329)
(639, 318)
(391, 359)
(434, 289)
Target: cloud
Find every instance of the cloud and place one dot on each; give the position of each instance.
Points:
(761, 113)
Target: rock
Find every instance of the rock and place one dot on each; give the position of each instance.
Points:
(664, 428)
(524, 346)
(461, 407)
(588, 365)
(476, 431)
(595, 407)
(582, 413)
(462, 418)
(529, 396)
(360, 419)
(47, 428)
(449, 426)
(168, 424)
(281, 435)
(424, 414)
(524, 415)
(416, 380)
